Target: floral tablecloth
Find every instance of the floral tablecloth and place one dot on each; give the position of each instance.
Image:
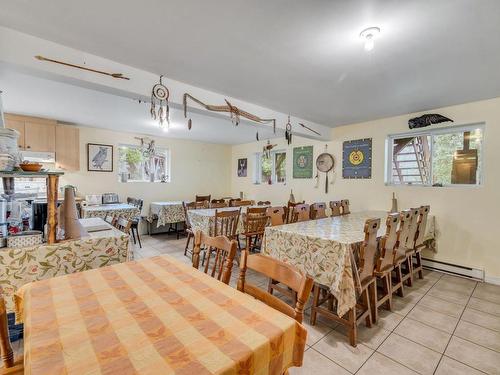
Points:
(19, 266)
(204, 219)
(125, 210)
(322, 248)
(166, 212)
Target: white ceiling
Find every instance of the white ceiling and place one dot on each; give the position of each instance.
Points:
(294, 56)
(30, 95)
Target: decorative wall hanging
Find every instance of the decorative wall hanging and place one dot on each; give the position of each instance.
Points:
(394, 207)
(113, 75)
(288, 132)
(235, 113)
(325, 163)
(427, 120)
(303, 162)
(242, 167)
(159, 97)
(357, 159)
(99, 157)
(267, 149)
(308, 128)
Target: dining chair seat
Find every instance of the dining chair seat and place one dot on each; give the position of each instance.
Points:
(11, 365)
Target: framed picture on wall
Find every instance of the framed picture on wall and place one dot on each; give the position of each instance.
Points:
(242, 167)
(357, 158)
(303, 162)
(99, 157)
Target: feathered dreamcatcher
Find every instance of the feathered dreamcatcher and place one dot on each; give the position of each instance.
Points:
(159, 98)
(288, 132)
(324, 163)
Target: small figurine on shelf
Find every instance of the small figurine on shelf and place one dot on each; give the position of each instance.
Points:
(394, 207)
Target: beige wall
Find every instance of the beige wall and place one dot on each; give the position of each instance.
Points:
(195, 168)
(468, 218)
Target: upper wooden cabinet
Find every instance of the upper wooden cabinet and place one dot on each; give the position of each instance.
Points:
(36, 134)
(67, 147)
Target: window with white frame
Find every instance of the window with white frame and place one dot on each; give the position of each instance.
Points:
(270, 169)
(436, 157)
(137, 165)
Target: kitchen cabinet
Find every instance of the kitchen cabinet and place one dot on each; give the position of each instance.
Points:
(40, 136)
(18, 125)
(67, 140)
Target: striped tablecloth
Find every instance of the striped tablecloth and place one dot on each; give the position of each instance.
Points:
(152, 316)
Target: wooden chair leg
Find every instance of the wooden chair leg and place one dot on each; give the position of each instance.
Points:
(388, 290)
(399, 280)
(374, 302)
(314, 313)
(187, 242)
(138, 237)
(409, 268)
(353, 328)
(418, 257)
(133, 235)
(366, 301)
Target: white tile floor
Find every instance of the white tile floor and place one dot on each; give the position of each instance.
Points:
(443, 325)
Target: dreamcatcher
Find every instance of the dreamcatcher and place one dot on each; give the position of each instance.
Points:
(324, 164)
(159, 97)
(288, 132)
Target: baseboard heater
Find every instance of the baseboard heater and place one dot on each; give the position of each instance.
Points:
(454, 269)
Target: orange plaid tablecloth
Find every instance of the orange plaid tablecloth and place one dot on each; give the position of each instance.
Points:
(152, 316)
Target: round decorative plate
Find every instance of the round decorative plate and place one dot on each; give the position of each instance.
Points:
(325, 162)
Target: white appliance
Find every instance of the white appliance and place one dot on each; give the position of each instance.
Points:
(39, 157)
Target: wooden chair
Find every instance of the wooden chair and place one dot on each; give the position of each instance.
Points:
(201, 198)
(385, 266)
(242, 203)
(301, 212)
(282, 272)
(364, 282)
(110, 219)
(123, 224)
(11, 365)
(218, 204)
(289, 210)
(318, 211)
(345, 206)
(276, 215)
(226, 223)
(233, 200)
(187, 225)
(402, 255)
(336, 207)
(419, 244)
(256, 221)
(136, 220)
(223, 250)
(263, 203)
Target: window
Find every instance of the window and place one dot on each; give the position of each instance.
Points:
(437, 157)
(137, 165)
(270, 169)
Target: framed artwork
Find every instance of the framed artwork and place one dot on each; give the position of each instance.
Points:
(357, 158)
(242, 167)
(303, 162)
(99, 157)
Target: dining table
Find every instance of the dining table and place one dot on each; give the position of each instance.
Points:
(322, 248)
(128, 211)
(152, 316)
(204, 219)
(168, 212)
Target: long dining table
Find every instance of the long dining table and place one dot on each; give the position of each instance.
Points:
(152, 316)
(322, 248)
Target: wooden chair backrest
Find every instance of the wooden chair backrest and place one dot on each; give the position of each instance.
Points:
(412, 233)
(403, 233)
(241, 203)
(368, 252)
(318, 210)
(225, 251)
(279, 271)
(263, 203)
(345, 206)
(5, 346)
(135, 202)
(123, 224)
(289, 210)
(232, 201)
(201, 198)
(256, 210)
(301, 212)
(388, 243)
(256, 221)
(336, 208)
(110, 219)
(226, 223)
(218, 204)
(192, 206)
(222, 200)
(276, 215)
(422, 225)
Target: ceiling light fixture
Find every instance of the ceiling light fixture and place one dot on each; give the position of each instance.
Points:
(368, 35)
